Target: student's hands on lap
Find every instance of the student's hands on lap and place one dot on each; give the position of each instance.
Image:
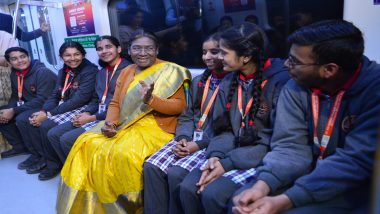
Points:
(109, 129)
(212, 171)
(255, 200)
(3, 120)
(83, 118)
(6, 115)
(37, 118)
(184, 148)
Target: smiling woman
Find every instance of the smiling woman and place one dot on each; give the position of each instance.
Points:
(105, 164)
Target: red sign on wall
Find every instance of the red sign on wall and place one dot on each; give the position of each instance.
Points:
(78, 18)
(238, 5)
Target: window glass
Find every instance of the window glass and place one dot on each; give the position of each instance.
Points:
(43, 17)
(181, 25)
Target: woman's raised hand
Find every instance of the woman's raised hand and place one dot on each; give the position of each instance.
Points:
(146, 91)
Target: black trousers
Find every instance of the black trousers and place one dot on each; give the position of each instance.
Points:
(161, 190)
(63, 137)
(12, 133)
(214, 199)
(37, 138)
(30, 135)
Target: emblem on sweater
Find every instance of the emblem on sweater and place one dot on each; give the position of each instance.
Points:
(76, 85)
(32, 88)
(348, 123)
(263, 110)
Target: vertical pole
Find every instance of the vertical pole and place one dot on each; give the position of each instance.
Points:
(15, 15)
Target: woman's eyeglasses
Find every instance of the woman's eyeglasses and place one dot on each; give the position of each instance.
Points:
(139, 49)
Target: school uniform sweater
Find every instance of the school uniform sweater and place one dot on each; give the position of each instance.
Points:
(188, 121)
(225, 146)
(38, 84)
(100, 86)
(348, 161)
(79, 93)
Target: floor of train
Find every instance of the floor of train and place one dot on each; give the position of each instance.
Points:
(24, 193)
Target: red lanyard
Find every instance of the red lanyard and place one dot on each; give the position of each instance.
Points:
(330, 123)
(240, 106)
(20, 84)
(109, 80)
(66, 85)
(211, 101)
(249, 104)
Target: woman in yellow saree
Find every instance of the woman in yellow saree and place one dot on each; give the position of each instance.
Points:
(103, 172)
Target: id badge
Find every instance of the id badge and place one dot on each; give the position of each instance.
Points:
(60, 102)
(20, 103)
(198, 135)
(102, 108)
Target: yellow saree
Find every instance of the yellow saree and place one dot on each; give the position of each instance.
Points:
(6, 41)
(104, 175)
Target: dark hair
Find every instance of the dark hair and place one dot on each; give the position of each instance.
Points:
(12, 49)
(129, 15)
(206, 73)
(113, 41)
(142, 33)
(333, 41)
(170, 37)
(246, 40)
(71, 44)
(227, 18)
(251, 18)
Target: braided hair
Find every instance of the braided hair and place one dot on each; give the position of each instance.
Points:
(201, 84)
(246, 40)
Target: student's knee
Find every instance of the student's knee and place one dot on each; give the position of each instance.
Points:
(209, 194)
(217, 194)
(176, 174)
(47, 125)
(66, 141)
(53, 136)
(188, 187)
(22, 119)
(150, 169)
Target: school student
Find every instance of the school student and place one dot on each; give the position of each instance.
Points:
(193, 132)
(62, 137)
(248, 100)
(31, 84)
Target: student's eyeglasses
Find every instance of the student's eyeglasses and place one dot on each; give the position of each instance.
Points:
(291, 62)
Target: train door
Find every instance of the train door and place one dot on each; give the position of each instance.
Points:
(29, 18)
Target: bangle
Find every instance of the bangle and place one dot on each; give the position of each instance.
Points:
(150, 100)
(110, 124)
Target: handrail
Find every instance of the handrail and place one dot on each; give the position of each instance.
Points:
(15, 15)
(42, 3)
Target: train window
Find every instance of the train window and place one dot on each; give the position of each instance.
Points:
(47, 39)
(30, 18)
(22, 24)
(183, 24)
